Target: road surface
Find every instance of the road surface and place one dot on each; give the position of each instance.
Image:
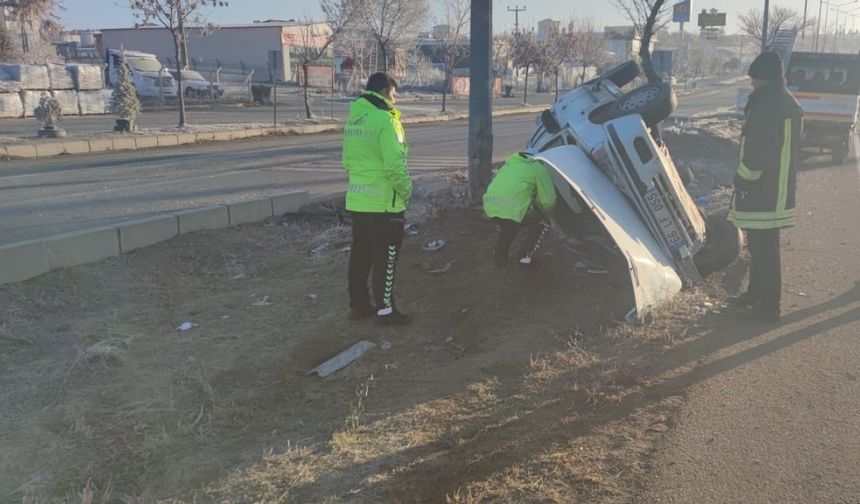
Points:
(43, 197)
(772, 414)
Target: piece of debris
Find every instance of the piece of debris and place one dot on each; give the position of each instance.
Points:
(443, 269)
(411, 230)
(708, 304)
(345, 249)
(803, 294)
(184, 326)
(385, 345)
(319, 248)
(434, 245)
(238, 276)
(264, 301)
(312, 296)
(449, 339)
(225, 317)
(342, 359)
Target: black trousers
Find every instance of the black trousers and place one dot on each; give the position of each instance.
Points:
(376, 240)
(765, 287)
(536, 228)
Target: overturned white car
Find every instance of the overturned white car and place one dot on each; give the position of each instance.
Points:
(624, 201)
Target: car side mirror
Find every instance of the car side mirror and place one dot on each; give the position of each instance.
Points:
(550, 122)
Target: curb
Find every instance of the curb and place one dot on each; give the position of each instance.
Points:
(27, 259)
(135, 142)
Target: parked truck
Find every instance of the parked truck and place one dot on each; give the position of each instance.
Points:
(150, 77)
(827, 86)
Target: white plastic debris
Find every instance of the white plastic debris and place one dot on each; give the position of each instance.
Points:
(313, 296)
(264, 301)
(434, 245)
(342, 359)
(385, 345)
(449, 339)
(184, 326)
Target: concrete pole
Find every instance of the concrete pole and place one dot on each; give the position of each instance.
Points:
(803, 31)
(764, 26)
(818, 26)
(480, 98)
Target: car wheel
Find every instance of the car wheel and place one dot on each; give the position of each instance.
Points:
(623, 74)
(838, 156)
(654, 102)
(723, 243)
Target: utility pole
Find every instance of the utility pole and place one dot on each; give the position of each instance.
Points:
(818, 28)
(764, 26)
(803, 31)
(480, 96)
(516, 10)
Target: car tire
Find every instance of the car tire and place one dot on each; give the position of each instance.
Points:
(838, 156)
(623, 74)
(723, 244)
(654, 102)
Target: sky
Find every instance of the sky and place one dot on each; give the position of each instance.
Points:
(114, 13)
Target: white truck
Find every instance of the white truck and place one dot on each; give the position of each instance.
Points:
(827, 86)
(150, 77)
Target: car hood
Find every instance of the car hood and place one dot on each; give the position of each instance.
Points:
(652, 272)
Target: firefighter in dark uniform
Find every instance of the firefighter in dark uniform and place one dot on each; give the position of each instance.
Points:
(765, 183)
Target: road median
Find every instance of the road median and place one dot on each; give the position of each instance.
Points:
(37, 149)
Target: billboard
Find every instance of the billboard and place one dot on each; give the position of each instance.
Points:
(681, 12)
(707, 19)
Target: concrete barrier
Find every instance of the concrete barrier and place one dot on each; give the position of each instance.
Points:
(250, 211)
(289, 202)
(208, 136)
(186, 138)
(21, 151)
(124, 143)
(101, 145)
(23, 260)
(203, 218)
(145, 232)
(238, 134)
(72, 249)
(221, 136)
(146, 141)
(46, 149)
(167, 140)
(76, 147)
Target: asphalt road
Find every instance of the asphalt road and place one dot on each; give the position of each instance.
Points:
(772, 413)
(40, 198)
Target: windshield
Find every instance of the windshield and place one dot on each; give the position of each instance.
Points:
(143, 64)
(191, 75)
(823, 75)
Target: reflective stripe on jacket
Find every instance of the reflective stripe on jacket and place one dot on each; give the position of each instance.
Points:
(520, 180)
(374, 156)
(765, 182)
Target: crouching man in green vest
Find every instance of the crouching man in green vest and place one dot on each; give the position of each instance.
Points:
(765, 183)
(374, 156)
(521, 184)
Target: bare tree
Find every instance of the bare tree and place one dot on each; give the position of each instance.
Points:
(555, 49)
(454, 17)
(527, 55)
(389, 21)
(588, 49)
(316, 40)
(31, 15)
(175, 15)
(780, 18)
(648, 17)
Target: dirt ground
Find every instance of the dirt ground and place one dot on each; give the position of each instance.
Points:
(511, 387)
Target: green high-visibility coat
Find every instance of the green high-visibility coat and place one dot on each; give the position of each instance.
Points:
(521, 180)
(374, 156)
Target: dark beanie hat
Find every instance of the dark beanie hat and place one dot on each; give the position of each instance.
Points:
(766, 66)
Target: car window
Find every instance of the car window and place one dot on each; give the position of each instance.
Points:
(824, 76)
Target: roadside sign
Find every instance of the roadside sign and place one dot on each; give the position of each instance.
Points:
(681, 12)
(707, 19)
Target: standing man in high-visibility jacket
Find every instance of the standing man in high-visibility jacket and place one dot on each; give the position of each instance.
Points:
(765, 182)
(517, 197)
(374, 156)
